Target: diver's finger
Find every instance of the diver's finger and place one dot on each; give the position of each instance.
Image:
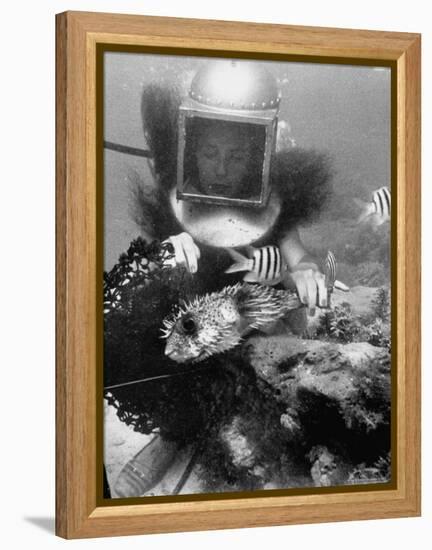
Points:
(190, 254)
(339, 285)
(302, 290)
(197, 251)
(322, 290)
(312, 291)
(185, 251)
(179, 257)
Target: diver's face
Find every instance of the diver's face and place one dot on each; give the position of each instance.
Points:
(223, 156)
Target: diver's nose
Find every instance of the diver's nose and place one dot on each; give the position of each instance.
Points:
(221, 166)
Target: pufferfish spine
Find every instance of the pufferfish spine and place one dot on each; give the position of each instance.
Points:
(262, 305)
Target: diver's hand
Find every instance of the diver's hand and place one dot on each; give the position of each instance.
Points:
(310, 285)
(186, 252)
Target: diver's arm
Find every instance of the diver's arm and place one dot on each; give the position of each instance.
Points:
(303, 271)
(294, 253)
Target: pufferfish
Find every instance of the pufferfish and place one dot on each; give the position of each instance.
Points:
(217, 322)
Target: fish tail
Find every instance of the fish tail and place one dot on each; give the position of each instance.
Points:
(250, 251)
(241, 263)
(365, 209)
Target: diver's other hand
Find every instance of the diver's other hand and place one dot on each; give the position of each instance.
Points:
(310, 285)
(186, 252)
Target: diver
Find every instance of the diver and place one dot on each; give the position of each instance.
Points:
(222, 189)
(229, 193)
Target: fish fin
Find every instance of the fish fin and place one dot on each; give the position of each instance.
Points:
(365, 209)
(250, 250)
(241, 263)
(244, 328)
(250, 277)
(239, 266)
(380, 220)
(375, 221)
(235, 255)
(274, 282)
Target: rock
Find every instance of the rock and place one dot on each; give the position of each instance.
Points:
(338, 370)
(290, 422)
(273, 356)
(330, 368)
(331, 392)
(239, 448)
(334, 370)
(327, 468)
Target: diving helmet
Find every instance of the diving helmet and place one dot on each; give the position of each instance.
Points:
(227, 134)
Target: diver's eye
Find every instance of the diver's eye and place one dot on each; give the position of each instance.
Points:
(238, 156)
(209, 153)
(189, 325)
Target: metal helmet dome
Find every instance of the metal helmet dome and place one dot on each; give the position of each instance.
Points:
(233, 85)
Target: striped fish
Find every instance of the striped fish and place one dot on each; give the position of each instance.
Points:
(264, 265)
(378, 210)
(330, 269)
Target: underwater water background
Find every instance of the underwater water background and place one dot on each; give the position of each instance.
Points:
(343, 110)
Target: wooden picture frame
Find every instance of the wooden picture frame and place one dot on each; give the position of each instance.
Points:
(79, 512)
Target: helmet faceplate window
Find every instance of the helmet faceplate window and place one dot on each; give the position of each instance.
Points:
(227, 135)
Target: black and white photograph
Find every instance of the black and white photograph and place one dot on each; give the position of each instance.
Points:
(247, 283)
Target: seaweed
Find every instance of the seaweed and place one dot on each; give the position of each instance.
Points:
(139, 292)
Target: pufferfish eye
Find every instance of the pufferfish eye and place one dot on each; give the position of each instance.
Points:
(188, 325)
